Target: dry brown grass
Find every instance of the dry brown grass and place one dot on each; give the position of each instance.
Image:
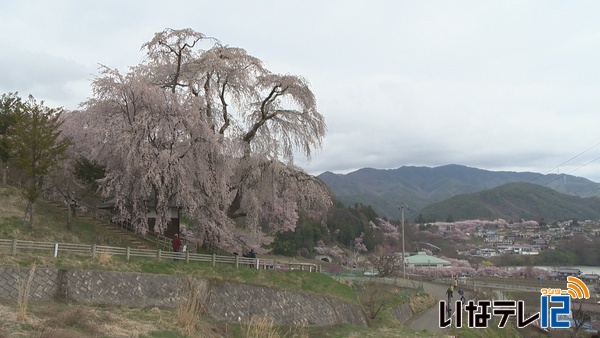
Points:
(53, 332)
(191, 309)
(13, 204)
(24, 290)
(421, 302)
(105, 258)
(60, 320)
(50, 323)
(262, 327)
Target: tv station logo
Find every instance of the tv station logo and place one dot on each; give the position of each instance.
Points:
(555, 309)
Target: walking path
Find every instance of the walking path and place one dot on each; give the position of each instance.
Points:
(429, 319)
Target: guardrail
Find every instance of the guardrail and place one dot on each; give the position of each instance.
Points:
(474, 283)
(505, 287)
(15, 246)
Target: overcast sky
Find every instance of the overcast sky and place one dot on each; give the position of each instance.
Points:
(496, 85)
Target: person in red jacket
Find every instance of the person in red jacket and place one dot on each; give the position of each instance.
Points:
(176, 242)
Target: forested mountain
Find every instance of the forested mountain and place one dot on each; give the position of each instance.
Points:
(515, 201)
(344, 225)
(419, 187)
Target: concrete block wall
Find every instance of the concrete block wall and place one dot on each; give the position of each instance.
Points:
(123, 288)
(402, 313)
(235, 302)
(223, 300)
(44, 283)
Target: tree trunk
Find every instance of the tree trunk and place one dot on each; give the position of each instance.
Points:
(70, 212)
(26, 212)
(4, 170)
(31, 215)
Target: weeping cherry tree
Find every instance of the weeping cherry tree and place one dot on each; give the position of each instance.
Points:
(210, 129)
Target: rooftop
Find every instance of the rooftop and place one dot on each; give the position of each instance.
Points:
(423, 258)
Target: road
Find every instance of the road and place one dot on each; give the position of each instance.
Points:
(429, 320)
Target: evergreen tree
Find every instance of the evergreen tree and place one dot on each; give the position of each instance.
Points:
(38, 147)
(89, 172)
(9, 106)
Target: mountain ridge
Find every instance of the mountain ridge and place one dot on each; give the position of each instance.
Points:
(516, 201)
(419, 187)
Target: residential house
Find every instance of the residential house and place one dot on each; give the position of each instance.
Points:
(486, 252)
(590, 278)
(563, 273)
(422, 260)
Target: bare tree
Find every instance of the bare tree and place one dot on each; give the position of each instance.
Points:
(376, 297)
(581, 315)
(385, 262)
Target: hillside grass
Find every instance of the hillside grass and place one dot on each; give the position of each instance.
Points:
(64, 319)
(51, 227)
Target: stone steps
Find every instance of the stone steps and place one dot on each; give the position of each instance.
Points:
(130, 238)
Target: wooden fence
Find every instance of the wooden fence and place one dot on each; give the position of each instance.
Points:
(15, 246)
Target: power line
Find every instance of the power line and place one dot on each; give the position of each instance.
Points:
(567, 161)
(561, 176)
(574, 157)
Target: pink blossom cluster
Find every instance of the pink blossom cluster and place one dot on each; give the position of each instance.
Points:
(335, 252)
(359, 246)
(389, 230)
(463, 230)
(524, 224)
(205, 127)
(481, 271)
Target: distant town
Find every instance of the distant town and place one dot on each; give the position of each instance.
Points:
(514, 239)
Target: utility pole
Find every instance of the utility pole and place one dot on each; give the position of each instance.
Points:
(402, 207)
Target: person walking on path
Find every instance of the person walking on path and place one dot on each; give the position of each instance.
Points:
(176, 242)
(449, 294)
(461, 292)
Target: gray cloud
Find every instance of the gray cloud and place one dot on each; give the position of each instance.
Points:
(506, 85)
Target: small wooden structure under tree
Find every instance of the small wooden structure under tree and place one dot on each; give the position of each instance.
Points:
(172, 226)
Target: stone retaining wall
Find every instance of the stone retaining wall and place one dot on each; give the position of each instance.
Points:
(223, 300)
(240, 302)
(43, 283)
(402, 313)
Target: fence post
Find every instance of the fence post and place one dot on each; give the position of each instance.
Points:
(14, 247)
(237, 261)
(94, 251)
(128, 253)
(257, 264)
(187, 257)
(159, 254)
(214, 260)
